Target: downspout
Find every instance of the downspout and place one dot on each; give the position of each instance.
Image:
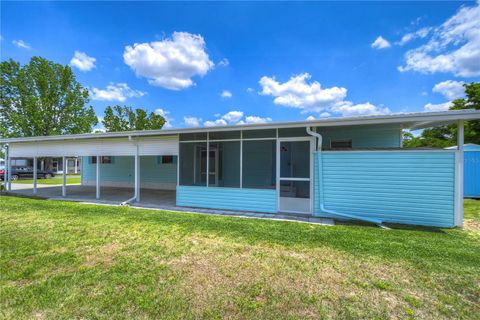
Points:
(320, 181)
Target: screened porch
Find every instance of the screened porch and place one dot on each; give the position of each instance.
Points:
(266, 170)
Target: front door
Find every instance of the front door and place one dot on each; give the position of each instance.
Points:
(294, 175)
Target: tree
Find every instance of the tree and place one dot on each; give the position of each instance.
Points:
(446, 136)
(118, 118)
(42, 98)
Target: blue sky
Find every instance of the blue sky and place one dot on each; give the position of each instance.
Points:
(273, 61)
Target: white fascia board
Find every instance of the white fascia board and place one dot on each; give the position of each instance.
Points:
(407, 120)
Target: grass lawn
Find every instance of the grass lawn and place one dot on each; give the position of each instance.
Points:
(71, 179)
(68, 260)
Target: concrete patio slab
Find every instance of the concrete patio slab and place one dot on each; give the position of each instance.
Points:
(149, 199)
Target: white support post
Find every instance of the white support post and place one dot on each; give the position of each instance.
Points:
(97, 193)
(241, 159)
(64, 177)
(459, 176)
(34, 175)
(9, 170)
(75, 163)
(137, 175)
(208, 159)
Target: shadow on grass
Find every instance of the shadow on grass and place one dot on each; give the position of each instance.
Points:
(436, 249)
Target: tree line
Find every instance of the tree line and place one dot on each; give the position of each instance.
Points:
(446, 136)
(44, 98)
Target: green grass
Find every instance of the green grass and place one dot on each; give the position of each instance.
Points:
(71, 179)
(70, 261)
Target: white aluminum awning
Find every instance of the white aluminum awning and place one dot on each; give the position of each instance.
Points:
(162, 145)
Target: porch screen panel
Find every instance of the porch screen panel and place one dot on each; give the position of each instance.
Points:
(225, 164)
(259, 164)
(193, 164)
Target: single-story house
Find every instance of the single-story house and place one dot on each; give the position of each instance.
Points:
(341, 168)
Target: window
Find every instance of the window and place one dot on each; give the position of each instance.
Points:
(166, 159)
(259, 164)
(103, 159)
(341, 144)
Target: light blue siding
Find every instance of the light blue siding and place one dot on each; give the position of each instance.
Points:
(371, 136)
(122, 171)
(472, 174)
(408, 187)
(258, 200)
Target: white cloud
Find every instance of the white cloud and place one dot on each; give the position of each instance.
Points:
(450, 89)
(223, 63)
(453, 47)
(229, 118)
(311, 97)
(381, 43)
(325, 114)
(297, 93)
(250, 90)
(21, 44)
(256, 119)
(215, 123)
(165, 114)
(311, 118)
(438, 107)
(115, 92)
(347, 108)
(226, 94)
(192, 121)
(82, 61)
(421, 33)
(233, 116)
(170, 63)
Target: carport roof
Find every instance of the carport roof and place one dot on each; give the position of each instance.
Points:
(412, 121)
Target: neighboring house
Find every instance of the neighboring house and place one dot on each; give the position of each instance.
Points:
(50, 164)
(472, 170)
(342, 168)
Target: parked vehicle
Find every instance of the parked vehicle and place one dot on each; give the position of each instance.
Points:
(26, 173)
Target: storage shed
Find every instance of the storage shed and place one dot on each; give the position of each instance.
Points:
(471, 170)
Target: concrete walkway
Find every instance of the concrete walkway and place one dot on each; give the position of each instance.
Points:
(149, 199)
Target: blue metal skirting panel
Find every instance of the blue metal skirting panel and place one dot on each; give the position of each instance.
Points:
(472, 174)
(407, 187)
(257, 200)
